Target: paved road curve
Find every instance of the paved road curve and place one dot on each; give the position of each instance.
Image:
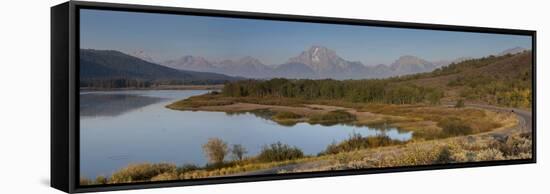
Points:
(525, 117)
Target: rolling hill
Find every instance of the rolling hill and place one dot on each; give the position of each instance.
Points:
(499, 80)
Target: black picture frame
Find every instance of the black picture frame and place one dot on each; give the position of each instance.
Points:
(65, 98)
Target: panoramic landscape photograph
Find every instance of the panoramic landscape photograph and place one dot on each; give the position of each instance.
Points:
(167, 97)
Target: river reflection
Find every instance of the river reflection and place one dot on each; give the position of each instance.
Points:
(93, 105)
(122, 127)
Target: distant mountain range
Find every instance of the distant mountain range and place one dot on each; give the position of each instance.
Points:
(317, 62)
(111, 65)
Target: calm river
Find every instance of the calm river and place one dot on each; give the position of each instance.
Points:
(122, 127)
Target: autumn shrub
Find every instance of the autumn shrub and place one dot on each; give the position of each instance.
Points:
(489, 155)
(356, 141)
(514, 145)
(452, 126)
(415, 155)
(238, 151)
(215, 150)
(445, 156)
(279, 152)
(141, 172)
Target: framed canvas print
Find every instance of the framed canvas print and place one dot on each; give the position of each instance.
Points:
(146, 96)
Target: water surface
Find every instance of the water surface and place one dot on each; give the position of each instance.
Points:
(122, 127)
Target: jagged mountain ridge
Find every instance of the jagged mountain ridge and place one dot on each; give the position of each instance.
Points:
(317, 62)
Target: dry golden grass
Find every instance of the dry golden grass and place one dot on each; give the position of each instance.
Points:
(452, 150)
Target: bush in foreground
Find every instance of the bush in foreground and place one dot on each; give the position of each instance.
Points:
(279, 152)
(140, 172)
(356, 142)
(238, 151)
(215, 150)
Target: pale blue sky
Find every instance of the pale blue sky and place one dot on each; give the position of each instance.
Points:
(166, 36)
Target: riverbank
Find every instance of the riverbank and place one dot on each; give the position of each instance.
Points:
(492, 134)
(489, 146)
(425, 121)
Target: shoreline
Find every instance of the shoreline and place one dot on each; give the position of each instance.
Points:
(458, 149)
(161, 87)
(478, 146)
(424, 121)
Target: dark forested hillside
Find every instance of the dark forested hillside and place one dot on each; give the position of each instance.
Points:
(114, 69)
(364, 91)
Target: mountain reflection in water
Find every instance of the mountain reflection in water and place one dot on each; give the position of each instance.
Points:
(95, 105)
